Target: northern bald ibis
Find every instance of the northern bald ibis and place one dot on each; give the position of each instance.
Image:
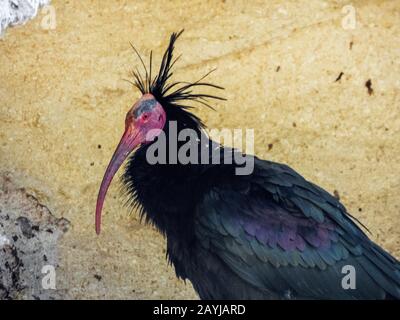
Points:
(269, 234)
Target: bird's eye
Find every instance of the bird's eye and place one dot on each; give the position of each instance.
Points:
(145, 116)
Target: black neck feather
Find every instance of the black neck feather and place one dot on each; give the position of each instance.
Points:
(165, 193)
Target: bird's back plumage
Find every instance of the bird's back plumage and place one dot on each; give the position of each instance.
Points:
(291, 239)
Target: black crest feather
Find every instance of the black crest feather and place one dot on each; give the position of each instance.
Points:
(171, 94)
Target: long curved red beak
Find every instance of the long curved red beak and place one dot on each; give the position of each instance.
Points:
(129, 141)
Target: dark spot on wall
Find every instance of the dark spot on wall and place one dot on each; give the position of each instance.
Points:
(368, 84)
(359, 209)
(92, 164)
(336, 194)
(270, 146)
(294, 124)
(278, 68)
(339, 76)
(25, 226)
(98, 277)
(351, 45)
(99, 146)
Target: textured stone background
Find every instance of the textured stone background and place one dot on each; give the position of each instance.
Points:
(63, 102)
(29, 237)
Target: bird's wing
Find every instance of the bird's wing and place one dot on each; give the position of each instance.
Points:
(281, 233)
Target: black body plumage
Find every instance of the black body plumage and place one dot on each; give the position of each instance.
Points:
(267, 235)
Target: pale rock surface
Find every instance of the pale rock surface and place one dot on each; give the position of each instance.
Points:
(29, 236)
(16, 12)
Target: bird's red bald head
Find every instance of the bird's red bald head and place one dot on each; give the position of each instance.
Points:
(143, 123)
